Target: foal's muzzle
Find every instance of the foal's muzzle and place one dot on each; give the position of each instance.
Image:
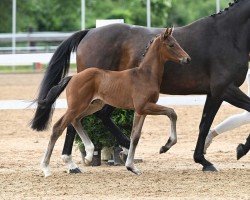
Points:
(185, 60)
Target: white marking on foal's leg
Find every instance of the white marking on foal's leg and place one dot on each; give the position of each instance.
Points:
(89, 146)
(124, 151)
(135, 136)
(173, 135)
(124, 154)
(72, 167)
(130, 160)
(46, 169)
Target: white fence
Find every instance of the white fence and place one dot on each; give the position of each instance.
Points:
(28, 59)
(61, 103)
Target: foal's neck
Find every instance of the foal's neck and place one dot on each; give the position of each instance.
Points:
(153, 63)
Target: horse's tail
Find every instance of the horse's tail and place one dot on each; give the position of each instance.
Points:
(59, 64)
(45, 107)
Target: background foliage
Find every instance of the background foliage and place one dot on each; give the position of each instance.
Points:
(64, 15)
(100, 135)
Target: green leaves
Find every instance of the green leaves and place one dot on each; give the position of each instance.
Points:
(100, 135)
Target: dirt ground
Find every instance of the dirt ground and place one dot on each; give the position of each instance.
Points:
(173, 175)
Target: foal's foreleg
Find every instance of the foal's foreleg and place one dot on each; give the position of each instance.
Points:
(134, 139)
(154, 109)
(89, 146)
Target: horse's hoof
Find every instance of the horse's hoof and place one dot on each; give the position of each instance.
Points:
(75, 171)
(163, 149)
(240, 152)
(209, 168)
(134, 170)
(123, 156)
(87, 162)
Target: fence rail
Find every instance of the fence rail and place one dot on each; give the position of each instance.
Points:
(35, 36)
(28, 59)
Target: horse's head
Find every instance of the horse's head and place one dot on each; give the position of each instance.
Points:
(171, 50)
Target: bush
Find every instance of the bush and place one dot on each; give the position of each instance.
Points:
(100, 135)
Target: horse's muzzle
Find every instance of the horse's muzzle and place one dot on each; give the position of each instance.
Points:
(185, 60)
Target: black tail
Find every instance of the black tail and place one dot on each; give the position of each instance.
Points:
(45, 107)
(59, 64)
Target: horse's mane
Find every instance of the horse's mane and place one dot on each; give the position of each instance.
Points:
(231, 4)
(148, 45)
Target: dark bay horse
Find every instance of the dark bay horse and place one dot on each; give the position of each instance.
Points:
(219, 47)
(88, 91)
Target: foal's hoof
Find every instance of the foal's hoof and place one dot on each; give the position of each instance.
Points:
(87, 162)
(123, 156)
(163, 149)
(75, 171)
(240, 152)
(134, 170)
(209, 168)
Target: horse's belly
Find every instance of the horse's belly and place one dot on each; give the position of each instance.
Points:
(118, 101)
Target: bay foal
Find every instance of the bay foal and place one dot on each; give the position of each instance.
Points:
(136, 88)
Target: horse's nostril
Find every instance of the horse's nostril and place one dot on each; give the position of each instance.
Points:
(187, 60)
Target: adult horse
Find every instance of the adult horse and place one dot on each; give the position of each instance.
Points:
(218, 44)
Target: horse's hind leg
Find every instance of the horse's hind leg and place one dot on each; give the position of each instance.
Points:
(134, 139)
(89, 146)
(58, 129)
(243, 149)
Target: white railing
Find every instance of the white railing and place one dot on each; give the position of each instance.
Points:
(28, 59)
(35, 36)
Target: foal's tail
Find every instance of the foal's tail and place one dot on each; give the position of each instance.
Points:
(45, 107)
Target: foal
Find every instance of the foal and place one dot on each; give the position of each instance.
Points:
(137, 89)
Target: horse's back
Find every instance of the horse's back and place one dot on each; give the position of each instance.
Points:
(114, 47)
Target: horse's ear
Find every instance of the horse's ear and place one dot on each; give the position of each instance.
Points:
(167, 32)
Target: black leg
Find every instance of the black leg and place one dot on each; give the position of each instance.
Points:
(69, 140)
(243, 149)
(105, 116)
(210, 109)
(236, 97)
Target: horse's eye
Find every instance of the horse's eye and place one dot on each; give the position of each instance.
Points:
(171, 45)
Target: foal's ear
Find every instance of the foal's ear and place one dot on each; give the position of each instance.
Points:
(168, 32)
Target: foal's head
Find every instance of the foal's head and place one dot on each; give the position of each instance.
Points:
(170, 48)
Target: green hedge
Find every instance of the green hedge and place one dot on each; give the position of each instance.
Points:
(100, 135)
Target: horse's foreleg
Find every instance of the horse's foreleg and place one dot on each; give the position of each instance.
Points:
(154, 109)
(67, 150)
(210, 109)
(58, 129)
(134, 139)
(236, 97)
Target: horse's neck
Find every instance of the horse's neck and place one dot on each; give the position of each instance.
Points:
(235, 22)
(153, 63)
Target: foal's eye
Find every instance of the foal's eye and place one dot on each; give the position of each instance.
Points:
(171, 45)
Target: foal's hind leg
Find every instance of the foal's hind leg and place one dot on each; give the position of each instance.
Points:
(58, 129)
(95, 106)
(154, 109)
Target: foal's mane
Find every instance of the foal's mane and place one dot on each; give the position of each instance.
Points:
(149, 44)
(231, 4)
